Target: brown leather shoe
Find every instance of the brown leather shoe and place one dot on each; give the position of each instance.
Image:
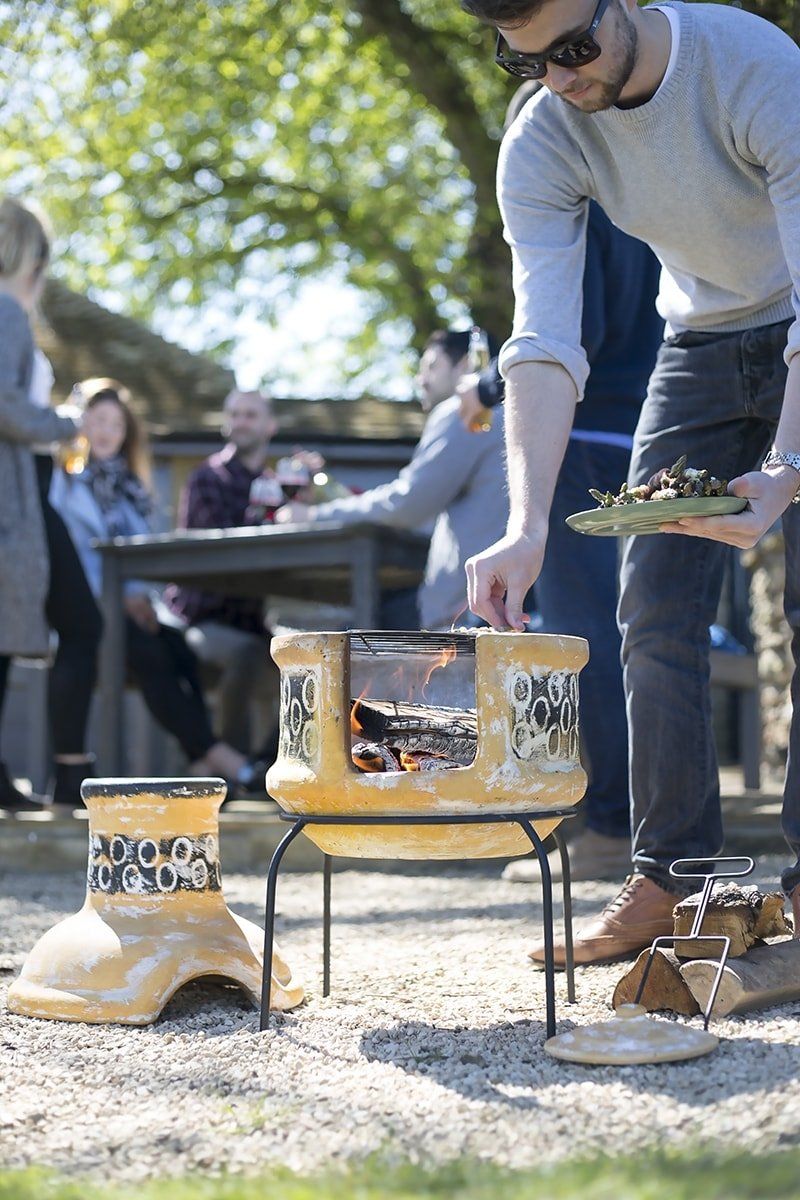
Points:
(639, 912)
(795, 899)
(591, 856)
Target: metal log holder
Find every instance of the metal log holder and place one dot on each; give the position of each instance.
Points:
(685, 868)
(523, 819)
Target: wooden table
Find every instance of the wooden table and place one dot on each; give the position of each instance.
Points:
(326, 562)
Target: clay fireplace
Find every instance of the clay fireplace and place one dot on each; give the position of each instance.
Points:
(520, 692)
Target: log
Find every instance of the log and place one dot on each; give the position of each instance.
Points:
(744, 914)
(766, 975)
(666, 991)
(427, 729)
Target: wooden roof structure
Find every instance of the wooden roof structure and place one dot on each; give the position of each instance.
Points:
(180, 394)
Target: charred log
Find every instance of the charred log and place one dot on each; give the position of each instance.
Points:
(371, 757)
(449, 733)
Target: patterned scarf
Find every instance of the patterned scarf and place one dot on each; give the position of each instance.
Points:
(111, 481)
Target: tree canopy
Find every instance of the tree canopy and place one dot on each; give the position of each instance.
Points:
(182, 148)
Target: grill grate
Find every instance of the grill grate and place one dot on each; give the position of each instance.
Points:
(411, 642)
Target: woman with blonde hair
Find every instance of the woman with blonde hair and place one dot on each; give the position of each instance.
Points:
(111, 497)
(42, 585)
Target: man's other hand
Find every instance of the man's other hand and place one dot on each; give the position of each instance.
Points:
(768, 495)
(293, 513)
(498, 580)
(309, 458)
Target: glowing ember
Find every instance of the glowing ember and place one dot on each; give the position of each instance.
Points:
(416, 760)
(372, 757)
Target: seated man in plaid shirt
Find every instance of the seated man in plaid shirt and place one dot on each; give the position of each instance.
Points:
(229, 631)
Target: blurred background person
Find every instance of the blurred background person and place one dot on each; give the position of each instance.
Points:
(109, 498)
(455, 481)
(233, 488)
(42, 583)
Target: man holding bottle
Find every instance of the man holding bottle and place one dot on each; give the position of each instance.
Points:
(455, 482)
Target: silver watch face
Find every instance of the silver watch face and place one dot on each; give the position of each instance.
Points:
(781, 458)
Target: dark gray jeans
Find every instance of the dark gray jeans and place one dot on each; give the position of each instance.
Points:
(716, 398)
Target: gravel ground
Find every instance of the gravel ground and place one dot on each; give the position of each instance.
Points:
(429, 1048)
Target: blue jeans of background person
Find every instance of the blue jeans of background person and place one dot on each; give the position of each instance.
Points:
(576, 593)
(716, 398)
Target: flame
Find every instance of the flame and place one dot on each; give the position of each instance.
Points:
(444, 659)
(464, 608)
(398, 679)
(356, 728)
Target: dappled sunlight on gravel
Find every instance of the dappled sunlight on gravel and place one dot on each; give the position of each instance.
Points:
(429, 1048)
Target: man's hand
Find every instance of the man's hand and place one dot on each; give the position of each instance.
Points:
(140, 610)
(769, 493)
(309, 458)
(471, 407)
(499, 578)
(293, 513)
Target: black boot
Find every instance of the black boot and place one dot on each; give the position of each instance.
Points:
(67, 781)
(12, 800)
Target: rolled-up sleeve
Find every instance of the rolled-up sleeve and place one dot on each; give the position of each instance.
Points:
(544, 210)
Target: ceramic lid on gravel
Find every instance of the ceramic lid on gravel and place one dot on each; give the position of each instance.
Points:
(647, 516)
(631, 1036)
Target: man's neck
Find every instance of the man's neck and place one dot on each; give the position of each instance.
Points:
(655, 42)
(255, 460)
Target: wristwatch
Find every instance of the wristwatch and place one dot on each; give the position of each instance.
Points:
(781, 458)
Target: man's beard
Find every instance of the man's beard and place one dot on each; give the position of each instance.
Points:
(611, 89)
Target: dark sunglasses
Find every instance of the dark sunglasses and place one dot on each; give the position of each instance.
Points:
(582, 50)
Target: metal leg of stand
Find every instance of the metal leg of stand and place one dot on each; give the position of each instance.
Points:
(547, 923)
(326, 925)
(269, 919)
(566, 893)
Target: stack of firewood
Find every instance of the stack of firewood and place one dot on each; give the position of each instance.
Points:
(389, 735)
(763, 966)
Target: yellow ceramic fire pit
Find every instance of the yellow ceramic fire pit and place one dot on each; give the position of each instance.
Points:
(524, 691)
(155, 916)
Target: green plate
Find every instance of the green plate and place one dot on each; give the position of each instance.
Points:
(649, 515)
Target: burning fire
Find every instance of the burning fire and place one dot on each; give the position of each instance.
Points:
(371, 750)
(356, 728)
(444, 659)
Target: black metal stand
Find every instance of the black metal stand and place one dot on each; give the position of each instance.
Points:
(523, 819)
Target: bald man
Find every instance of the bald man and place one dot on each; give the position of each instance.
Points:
(228, 631)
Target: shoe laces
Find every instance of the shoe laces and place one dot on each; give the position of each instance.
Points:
(628, 889)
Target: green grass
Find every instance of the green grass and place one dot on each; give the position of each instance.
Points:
(659, 1177)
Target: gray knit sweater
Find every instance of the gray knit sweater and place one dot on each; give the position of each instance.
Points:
(707, 172)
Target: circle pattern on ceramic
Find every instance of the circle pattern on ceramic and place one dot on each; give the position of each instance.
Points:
(544, 716)
(299, 737)
(145, 866)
